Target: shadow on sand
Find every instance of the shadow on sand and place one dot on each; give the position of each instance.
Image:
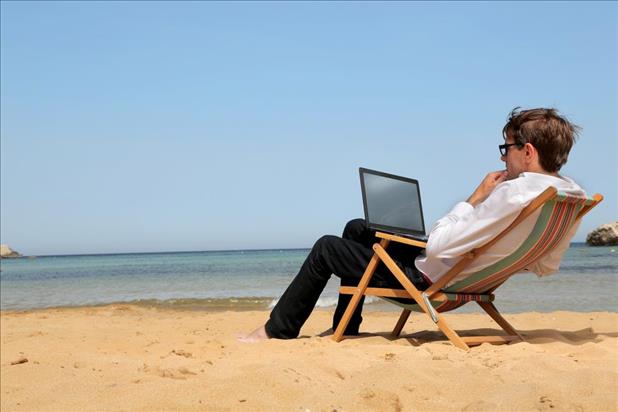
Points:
(534, 336)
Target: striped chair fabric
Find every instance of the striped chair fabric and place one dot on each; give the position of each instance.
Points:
(552, 225)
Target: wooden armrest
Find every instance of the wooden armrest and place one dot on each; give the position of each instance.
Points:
(401, 239)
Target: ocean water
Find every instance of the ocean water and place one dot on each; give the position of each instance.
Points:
(254, 279)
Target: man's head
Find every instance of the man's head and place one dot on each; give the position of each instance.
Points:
(539, 141)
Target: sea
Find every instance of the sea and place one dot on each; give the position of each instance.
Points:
(254, 279)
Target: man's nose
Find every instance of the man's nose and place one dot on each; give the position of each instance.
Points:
(503, 158)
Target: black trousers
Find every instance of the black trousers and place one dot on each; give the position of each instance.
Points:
(346, 257)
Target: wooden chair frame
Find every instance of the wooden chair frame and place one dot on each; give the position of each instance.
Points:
(435, 292)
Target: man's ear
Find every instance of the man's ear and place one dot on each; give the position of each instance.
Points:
(530, 152)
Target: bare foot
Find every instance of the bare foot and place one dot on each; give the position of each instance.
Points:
(257, 335)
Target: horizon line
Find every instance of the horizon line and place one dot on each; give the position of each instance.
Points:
(183, 251)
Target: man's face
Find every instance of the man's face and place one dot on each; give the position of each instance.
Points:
(514, 159)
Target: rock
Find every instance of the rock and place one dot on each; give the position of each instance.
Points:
(7, 252)
(604, 235)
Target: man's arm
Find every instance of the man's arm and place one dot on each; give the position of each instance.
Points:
(488, 211)
(487, 186)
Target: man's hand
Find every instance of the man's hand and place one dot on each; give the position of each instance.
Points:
(486, 187)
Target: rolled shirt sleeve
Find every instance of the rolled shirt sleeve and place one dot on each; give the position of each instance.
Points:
(466, 227)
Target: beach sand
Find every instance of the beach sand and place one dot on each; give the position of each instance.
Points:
(123, 357)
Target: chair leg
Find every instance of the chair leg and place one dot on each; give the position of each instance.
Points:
(452, 335)
(401, 322)
(418, 297)
(492, 311)
(360, 291)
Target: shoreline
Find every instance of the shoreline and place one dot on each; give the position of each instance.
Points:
(126, 357)
(252, 304)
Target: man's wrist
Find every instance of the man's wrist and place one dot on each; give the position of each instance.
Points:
(473, 200)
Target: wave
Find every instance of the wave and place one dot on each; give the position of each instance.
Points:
(196, 304)
(327, 302)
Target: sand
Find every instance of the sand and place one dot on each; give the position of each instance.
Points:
(129, 358)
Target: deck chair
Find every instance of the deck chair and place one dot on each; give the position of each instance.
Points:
(558, 213)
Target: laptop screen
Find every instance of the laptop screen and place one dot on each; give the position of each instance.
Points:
(392, 203)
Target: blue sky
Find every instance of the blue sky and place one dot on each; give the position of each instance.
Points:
(137, 126)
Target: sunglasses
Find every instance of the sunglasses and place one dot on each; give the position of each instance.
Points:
(504, 148)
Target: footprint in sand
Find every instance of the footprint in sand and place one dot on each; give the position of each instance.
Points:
(299, 375)
(181, 352)
(175, 373)
(480, 406)
(491, 363)
(381, 400)
(333, 371)
(171, 373)
(546, 400)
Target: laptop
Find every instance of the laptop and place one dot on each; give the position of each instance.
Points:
(392, 204)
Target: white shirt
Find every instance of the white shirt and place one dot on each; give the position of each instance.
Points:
(466, 227)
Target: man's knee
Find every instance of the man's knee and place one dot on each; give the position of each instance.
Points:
(326, 244)
(354, 229)
(322, 253)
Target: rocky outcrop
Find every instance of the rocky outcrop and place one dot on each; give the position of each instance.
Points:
(7, 252)
(604, 235)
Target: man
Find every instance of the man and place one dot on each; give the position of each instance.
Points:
(537, 145)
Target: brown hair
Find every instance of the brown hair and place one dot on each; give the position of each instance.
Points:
(551, 134)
